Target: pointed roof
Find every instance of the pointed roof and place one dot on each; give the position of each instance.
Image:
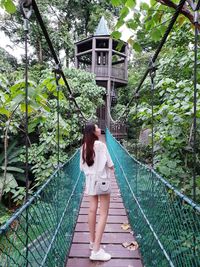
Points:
(102, 28)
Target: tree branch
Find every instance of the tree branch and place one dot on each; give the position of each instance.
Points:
(185, 11)
(5, 152)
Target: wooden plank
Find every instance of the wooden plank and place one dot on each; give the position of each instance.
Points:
(79, 262)
(114, 198)
(119, 205)
(113, 228)
(116, 250)
(111, 218)
(83, 237)
(112, 211)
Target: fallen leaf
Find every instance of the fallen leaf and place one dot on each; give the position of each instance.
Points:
(130, 245)
(125, 226)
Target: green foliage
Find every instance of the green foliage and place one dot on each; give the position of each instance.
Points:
(130, 3)
(147, 23)
(116, 2)
(8, 63)
(10, 183)
(8, 5)
(66, 23)
(116, 35)
(42, 128)
(4, 214)
(8, 180)
(173, 110)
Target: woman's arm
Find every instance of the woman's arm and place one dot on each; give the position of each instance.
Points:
(109, 160)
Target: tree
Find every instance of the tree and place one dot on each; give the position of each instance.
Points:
(66, 22)
(154, 18)
(173, 106)
(8, 63)
(42, 112)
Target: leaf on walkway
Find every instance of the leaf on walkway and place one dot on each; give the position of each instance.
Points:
(125, 226)
(130, 245)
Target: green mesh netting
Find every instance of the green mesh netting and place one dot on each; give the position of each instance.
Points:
(40, 232)
(166, 223)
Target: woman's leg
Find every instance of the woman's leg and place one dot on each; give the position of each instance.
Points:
(104, 207)
(92, 216)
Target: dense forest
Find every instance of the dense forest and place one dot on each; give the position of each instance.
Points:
(68, 22)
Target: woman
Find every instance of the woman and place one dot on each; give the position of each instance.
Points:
(95, 159)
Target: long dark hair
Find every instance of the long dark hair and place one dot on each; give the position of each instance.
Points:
(89, 138)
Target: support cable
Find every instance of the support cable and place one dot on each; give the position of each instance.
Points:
(57, 78)
(152, 74)
(26, 10)
(196, 17)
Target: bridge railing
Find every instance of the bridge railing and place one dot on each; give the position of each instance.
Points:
(40, 232)
(165, 222)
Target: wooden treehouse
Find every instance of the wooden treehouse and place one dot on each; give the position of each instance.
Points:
(107, 58)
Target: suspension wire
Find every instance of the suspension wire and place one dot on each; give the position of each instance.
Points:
(46, 35)
(26, 128)
(109, 111)
(152, 74)
(196, 17)
(197, 7)
(110, 104)
(57, 78)
(136, 134)
(26, 10)
(162, 42)
(136, 114)
(68, 117)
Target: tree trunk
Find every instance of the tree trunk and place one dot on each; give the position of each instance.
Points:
(39, 53)
(67, 57)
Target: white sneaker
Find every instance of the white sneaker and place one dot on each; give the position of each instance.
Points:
(100, 255)
(91, 245)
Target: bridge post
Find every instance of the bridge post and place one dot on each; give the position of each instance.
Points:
(108, 103)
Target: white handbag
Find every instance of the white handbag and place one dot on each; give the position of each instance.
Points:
(102, 186)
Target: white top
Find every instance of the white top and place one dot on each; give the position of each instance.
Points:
(102, 161)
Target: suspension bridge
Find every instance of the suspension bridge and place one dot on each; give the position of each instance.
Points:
(50, 229)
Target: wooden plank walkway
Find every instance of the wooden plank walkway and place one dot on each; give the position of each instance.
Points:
(113, 237)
